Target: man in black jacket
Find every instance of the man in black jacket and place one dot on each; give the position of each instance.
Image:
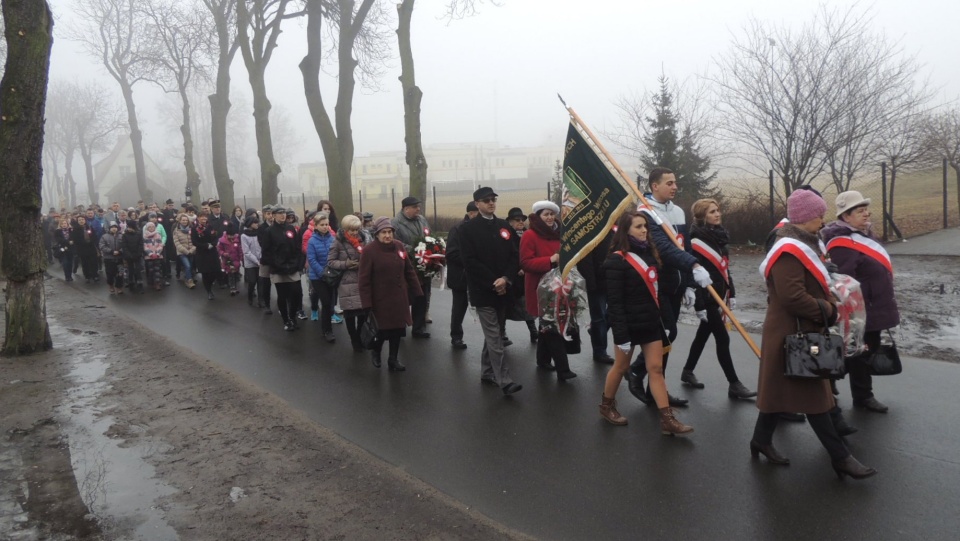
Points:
(457, 279)
(492, 263)
(263, 278)
(591, 268)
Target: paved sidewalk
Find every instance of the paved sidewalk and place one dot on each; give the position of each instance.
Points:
(945, 242)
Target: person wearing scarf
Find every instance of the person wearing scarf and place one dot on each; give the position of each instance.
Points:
(856, 252)
(710, 240)
(344, 256)
(65, 246)
(539, 253)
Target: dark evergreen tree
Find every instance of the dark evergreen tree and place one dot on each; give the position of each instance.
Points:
(670, 142)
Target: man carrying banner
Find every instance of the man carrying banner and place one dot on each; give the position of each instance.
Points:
(678, 276)
(492, 262)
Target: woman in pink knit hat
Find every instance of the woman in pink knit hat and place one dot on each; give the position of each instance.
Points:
(798, 295)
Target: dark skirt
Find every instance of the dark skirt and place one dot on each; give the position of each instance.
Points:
(250, 274)
(389, 334)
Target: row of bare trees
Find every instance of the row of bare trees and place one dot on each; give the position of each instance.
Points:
(182, 45)
(832, 98)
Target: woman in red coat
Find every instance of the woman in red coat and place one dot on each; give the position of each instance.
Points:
(386, 274)
(539, 252)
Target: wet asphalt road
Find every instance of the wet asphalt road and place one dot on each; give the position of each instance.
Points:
(544, 463)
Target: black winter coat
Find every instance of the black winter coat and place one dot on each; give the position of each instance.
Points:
(489, 253)
(456, 273)
(630, 306)
(62, 243)
(591, 267)
(704, 298)
(281, 249)
(132, 241)
(86, 244)
(206, 259)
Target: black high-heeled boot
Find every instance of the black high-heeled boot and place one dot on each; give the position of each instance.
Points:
(769, 451)
(852, 467)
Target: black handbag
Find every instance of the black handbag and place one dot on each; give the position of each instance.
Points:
(814, 355)
(369, 331)
(885, 361)
(332, 276)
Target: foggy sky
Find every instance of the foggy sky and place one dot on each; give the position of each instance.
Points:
(496, 76)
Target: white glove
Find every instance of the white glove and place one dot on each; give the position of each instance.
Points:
(732, 303)
(624, 348)
(689, 297)
(701, 276)
(702, 314)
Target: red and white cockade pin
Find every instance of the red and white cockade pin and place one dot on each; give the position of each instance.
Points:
(653, 274)
(505, 234)
(426, 230)
(289, 234)
(402, 254)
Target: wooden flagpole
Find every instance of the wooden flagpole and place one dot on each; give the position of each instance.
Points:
(666, 229)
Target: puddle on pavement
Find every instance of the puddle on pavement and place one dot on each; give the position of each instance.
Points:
(117, 485)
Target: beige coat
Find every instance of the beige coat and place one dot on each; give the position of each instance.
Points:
(792, 293)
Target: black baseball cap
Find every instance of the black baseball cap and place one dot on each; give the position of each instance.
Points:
(483, 193)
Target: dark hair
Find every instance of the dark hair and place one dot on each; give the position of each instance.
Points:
(621, 239)
(332, 215)
(657, 173)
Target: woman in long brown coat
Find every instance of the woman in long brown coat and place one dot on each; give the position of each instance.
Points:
(798, 294)
(386, 275)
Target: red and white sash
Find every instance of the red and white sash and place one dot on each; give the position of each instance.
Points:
(648, 273)
(865, 246)
(811, 260)
(721, 263)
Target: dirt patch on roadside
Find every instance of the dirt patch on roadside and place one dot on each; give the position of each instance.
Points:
(244, 465)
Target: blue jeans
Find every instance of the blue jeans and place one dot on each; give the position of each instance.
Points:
(598, 322)
(187, 271)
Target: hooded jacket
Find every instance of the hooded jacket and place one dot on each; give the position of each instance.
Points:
(231, 254)
(676, 271)
(318, 249)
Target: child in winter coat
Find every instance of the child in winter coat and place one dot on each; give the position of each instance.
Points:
(112, 250)
(153, 254)
(231, 257)
(250, 247)
(322, 292)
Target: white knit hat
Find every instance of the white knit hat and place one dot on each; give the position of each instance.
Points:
(545, 205)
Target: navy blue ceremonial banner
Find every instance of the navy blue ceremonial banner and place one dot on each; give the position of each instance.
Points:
(593, 200)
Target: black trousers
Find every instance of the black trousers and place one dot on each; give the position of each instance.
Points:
(112, 267)
(551, 345)
(263, 290)
(420, 305)
(321, 298)
(209, 278)
(669, 314)
(288, 302)
(713, 325)
(354, 319)
(88, 262)
(861, 382)
(821, 423)
(458, 310)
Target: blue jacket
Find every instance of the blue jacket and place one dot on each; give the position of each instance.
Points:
(676, 273)
(317, 250)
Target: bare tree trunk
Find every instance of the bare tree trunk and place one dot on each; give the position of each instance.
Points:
(269, 170)
(23, 92)
(68, 176)
(136, 137)
(193, 178)
(411, 105)
(893, 185)
(87, 155)
(219, 109)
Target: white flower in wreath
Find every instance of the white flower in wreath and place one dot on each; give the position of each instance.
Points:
(421, 247)
(430, 240)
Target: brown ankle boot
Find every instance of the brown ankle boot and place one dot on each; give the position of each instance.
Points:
(608, 410)
(670, 426)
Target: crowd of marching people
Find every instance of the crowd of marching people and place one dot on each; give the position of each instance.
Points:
(368, 274)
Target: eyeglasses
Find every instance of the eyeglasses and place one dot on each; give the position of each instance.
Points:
(489, 200)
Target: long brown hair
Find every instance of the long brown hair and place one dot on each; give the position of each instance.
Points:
(621, 239)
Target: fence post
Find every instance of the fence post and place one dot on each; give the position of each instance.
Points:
(548, 192)
(393, 200)
(245, 203)
(434, 206)
(773, 217)
(360, 199)
(281, 199)
(303, 201)
(883, 199)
